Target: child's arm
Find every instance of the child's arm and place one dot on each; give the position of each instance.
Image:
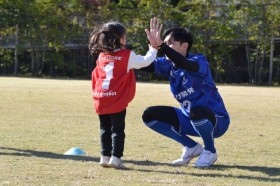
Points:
(137, 61)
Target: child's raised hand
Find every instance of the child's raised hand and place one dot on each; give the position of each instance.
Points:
(153, 34)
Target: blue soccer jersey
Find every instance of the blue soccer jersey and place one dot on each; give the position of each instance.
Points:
(192, 89)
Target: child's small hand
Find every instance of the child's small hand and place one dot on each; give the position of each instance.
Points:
(153, 34)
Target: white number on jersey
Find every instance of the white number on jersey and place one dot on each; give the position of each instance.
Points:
(109, 75)
(186, 105)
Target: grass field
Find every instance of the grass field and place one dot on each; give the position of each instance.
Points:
(40, 119)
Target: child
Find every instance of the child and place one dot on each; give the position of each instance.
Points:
(114, 84)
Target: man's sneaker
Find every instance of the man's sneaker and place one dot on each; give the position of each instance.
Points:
(188, 154)
(115, 162)
(104, 161)
(206, 159)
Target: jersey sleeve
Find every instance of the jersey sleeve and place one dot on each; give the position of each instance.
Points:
(137, 61)
(163, 66)
(203, 65)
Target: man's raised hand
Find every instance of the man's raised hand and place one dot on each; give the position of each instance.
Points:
(153, 34)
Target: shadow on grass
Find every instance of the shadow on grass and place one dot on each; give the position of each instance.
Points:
(154, 170)
(44, 154)
(269, 171)
(148, 163)
(51, 155)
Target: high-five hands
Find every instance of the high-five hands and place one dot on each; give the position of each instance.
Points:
(153, 34)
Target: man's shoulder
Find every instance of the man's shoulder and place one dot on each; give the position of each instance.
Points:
(197, 57)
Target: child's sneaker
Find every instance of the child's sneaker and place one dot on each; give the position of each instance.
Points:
(188, 154)
(206, 159)
(116, 163)
(104, 161)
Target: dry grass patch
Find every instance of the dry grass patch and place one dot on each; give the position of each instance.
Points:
(41, 119)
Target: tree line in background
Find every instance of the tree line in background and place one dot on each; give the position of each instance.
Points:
(241, 39)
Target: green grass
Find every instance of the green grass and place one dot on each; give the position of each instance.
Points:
(40, 119)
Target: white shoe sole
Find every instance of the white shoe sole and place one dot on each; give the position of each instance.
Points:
(196, 153)
(115, 166)
(181, 162)
(104, 164)
(206, 165)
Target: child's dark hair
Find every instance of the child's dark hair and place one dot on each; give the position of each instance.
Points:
(180, 34)
(106, 39)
